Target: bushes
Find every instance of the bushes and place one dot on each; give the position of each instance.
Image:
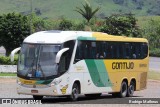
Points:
(6, 60)
(121, 25)
(155, 52)
(151, 31)
(69, 25)
(65, 25)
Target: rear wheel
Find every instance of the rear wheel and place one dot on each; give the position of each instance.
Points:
(131, 89)
(75, 92)
(36, 97)
(123, 91)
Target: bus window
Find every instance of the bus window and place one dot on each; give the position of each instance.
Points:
(115, 50)
(82, 51)
(121, 52)
(144, 50)
(110, 51)
(93, 50)
(137, 50)
(100, 50)
(78, 55)
(118, 48)
(133, 51)
(66, 57)
(127, 50)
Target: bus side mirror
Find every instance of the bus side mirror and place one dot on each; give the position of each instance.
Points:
(59, 54)
(13, 53)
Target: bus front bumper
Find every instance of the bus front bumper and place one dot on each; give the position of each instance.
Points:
(47, 91)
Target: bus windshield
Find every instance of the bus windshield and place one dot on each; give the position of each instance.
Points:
(38, 61)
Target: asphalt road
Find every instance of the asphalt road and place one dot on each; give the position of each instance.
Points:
(154, 64)
(8, 90)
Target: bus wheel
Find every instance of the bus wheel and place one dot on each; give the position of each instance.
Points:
(36, 97)
(131, 89)
(123, 91)
(75, 92)
(93, 95)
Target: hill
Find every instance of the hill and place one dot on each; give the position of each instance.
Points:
(65, 8)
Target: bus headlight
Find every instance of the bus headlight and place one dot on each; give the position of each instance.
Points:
(56, 81)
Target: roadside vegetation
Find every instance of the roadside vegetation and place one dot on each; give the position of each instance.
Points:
(8, 74)
(5, 60)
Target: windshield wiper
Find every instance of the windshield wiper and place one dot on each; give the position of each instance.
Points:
(40, 69)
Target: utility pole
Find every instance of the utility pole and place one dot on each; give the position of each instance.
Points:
(31, 16)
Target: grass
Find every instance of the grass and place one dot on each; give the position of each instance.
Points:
(8, 74)
(153, 75)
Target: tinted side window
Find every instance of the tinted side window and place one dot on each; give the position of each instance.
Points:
(111, 50)
(127, 50)
(82, 50)
(144, 50)
(66, 57)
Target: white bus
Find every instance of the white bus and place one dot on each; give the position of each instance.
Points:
(70, 63)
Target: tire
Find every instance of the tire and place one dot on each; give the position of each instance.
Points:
(93, 95)
(75, 92)
(124, 90)
(131, 89)
(36, 97)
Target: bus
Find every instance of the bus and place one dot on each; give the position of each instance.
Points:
(73, 63)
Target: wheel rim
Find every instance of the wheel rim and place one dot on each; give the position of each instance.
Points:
(124, 90)
(75, 93)
(131, 89)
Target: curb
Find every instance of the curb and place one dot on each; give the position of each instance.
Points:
(12, 77)
(151, 80)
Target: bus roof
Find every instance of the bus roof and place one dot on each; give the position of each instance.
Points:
(58, 37)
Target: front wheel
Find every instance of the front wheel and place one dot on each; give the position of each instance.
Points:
(123, 91)
(75, 92)
(36, 97)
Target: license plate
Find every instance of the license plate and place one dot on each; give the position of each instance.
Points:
(34, 91)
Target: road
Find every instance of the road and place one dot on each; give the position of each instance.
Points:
(8, 90)
(154, 64)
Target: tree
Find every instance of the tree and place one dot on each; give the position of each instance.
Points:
(87, 12)
(65, 25)
(151, 31)
(13, 29)
(121, 25)
(39, 24)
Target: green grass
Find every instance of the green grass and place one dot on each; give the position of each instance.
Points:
(8, 74)
(153, 75)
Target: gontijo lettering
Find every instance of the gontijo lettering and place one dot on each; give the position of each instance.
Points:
(122, 65)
